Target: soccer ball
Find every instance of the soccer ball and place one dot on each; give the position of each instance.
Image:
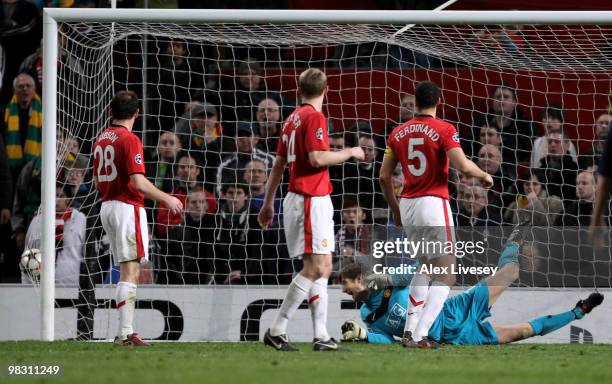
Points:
(31, 261)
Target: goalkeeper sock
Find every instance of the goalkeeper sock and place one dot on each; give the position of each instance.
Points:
(547, 324)
(419, 286)
(126, 305)
(438, 292)
(296, 293)
(317, 301)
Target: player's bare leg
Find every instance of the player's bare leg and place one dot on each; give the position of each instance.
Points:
(547, 324)
(126, 304)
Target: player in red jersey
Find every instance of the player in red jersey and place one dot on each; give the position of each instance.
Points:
(424, 146)
(119, 176)
(307, 209)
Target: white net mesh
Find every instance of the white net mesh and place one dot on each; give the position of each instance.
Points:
(204, 87)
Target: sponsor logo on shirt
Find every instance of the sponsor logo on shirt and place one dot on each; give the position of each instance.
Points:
(456, 137)
(395, 316)
(324, 243)
(138, 159)
(319, 133)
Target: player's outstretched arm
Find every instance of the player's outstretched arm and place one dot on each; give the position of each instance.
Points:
(266, 214)
(386, 185)
(327, 158)
(468, 167)
(143, 185)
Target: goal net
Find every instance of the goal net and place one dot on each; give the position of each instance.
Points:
(531, 103)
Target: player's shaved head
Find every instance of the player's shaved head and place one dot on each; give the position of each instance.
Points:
(426, 95)
(124, 105)
(312, 83)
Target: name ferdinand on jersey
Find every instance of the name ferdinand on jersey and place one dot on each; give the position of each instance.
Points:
(417, 128)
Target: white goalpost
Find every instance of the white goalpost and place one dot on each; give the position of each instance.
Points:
(76, 106)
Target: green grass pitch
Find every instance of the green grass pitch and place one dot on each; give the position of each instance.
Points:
(254, 363)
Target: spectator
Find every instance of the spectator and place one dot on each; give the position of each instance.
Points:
(70, 225)
(266, 247)
(174, 77)
(407, 107)
(233, 223)
(353, 238)
(578, 212)
(232, 168)
(474, 209)
(241, 98)
(198, 127)
(504, 174)
(398, 180)
(487, 134)
(74, 174)
(20, 31)
(255, 177)
(336, 142)
(8, 264)
(187, 179)
(26, 200)
(534, 207)
(202, 135)
(559, 168)
(161, 166)
(592, 155)
(552, 122)
(23, 124)
(268, 125)
(515, 129)
(190, 254)
(361, 179)
(68, 68)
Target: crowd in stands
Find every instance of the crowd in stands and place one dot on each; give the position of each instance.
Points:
(214, 151)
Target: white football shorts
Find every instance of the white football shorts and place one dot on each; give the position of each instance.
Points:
(127, 231)
(309, 224)
(428, 219)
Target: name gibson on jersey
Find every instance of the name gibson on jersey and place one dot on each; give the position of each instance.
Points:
(417, 128)
(108, 135)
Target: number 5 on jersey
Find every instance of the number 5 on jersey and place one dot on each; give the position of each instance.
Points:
(414, 153)
(106, 160)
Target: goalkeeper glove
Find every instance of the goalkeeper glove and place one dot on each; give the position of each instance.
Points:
(378, 281)
(351, 331)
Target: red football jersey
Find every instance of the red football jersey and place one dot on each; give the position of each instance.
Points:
(117, 155)
(305, 131)
(420, 146)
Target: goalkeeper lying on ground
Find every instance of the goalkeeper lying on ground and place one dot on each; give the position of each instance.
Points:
(461, 321)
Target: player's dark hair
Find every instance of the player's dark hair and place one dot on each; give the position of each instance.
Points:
(553, 112)
(124, 105)
(312, 83)
(352, 270)
(426, 94)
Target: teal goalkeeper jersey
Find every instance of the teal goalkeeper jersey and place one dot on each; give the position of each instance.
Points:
(382, 330)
